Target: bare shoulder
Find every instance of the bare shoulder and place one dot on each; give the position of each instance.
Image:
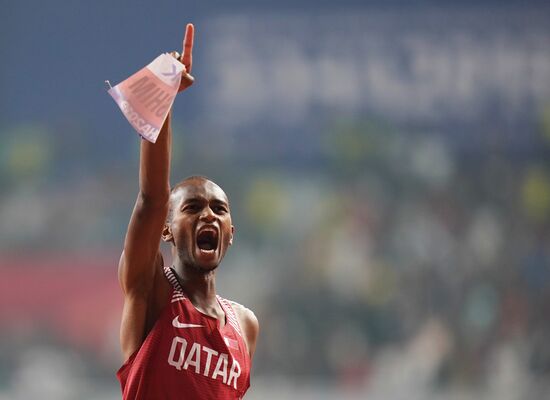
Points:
(249, 323)
(244, 314)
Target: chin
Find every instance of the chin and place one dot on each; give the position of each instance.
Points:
(205, 268)
(207, 260)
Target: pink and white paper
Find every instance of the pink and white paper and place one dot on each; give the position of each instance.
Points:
(146, 97)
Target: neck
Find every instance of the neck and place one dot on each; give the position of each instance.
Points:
(199, 286)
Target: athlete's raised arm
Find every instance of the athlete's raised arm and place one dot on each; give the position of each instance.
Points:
(141, 256)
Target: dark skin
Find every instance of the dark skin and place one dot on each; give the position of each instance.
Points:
(196, 205)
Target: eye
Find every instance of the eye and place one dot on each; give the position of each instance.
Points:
(219, 209)
(191, 207)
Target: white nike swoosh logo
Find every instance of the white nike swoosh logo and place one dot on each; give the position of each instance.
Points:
(178, 324)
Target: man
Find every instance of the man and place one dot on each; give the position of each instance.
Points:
(179, 339)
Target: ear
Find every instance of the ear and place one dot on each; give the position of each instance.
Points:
(167, 234)
(232, 232)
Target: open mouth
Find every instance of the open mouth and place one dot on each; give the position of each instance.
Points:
(207, 239)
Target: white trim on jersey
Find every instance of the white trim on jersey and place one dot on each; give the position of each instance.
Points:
(171, 276)
(178, 295)
(230, 315)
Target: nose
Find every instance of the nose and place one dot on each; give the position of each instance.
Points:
(208, 215)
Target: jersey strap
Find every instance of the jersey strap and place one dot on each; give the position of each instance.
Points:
(177, 294)
(230, 314)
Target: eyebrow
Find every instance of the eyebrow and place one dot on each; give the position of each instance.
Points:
(193, 200)
(219, 201)
(198, 199)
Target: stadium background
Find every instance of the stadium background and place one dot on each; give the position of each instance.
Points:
(388, 167)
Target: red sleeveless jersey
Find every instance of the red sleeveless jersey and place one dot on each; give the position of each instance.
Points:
(187, 356)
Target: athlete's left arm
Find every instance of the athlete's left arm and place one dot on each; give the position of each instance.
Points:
(250, 326)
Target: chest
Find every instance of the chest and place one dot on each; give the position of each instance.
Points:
(198, 344)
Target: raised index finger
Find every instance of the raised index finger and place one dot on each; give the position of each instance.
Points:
(187, 52)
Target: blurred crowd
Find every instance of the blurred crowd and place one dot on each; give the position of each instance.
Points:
(396, 266)
(413, 267)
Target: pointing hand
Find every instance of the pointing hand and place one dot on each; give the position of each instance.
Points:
(186, 58)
